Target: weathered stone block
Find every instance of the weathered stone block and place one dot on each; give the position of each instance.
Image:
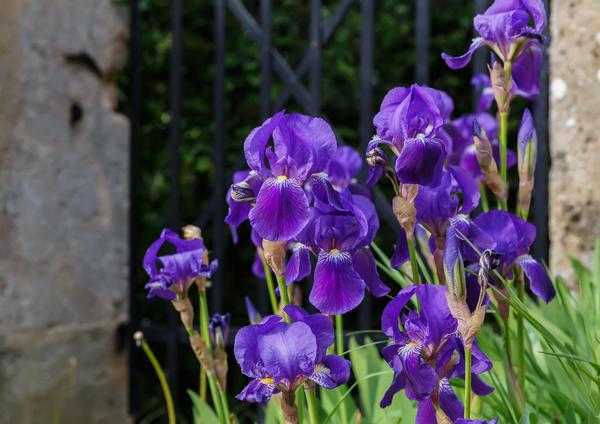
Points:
(63, 211)
(574, 136)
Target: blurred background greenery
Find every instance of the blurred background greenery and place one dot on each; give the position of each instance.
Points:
(394, 65)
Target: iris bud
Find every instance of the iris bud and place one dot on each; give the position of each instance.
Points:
(376, 158)
(242, 192)
(527, 155)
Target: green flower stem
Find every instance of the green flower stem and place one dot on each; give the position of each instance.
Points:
(485, 205)
(313, 409)
(468, 355)
(270, 285)
(339, 349)
(521, 336)
(412, 252)
(161, 378)
(503, 148)
(285, 300)
(219, 398)
(339, 335)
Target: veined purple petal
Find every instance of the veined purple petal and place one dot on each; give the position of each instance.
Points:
(257, 391)
(426, 413)
(331, 372)
(421, 161)
(449, 402)
(288, 351)
(526, 71)
(337, 287)
(256, 143)
(281, 210)
(298, 267)
(434, 307)
(421, 378)
(539, 282)
(246, 349)
(364, 264)
(393, 310)
(457, 62)
(468, 187)
(401, 254)
(398, 383)
(319, 324)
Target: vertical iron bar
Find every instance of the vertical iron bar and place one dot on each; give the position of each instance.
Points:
(134, 262)
(265, 101)
(366, 109)
(219, 108)
(422, 41)
(175, 171)
(540, 192)
(265, 59)
(479, 57)
(315, 47)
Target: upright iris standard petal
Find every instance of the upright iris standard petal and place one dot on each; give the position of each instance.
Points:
(246, 346)
(256, 143)
(298, 267)
(319, 324)
(364, 264)
(421, 161)
(281, 209)
(526, 72)
(337, 287)
(539, 282)
(288, 350)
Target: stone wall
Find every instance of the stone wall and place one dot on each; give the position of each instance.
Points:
(63, 212)
(574, 132)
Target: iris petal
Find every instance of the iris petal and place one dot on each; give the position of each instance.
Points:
(333, 371)
(421, 162)
(281, 210)
(257, 392)
(337, 287)
(364, 264)
(457, 62)
(539, 282)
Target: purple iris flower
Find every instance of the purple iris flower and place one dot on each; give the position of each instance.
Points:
(463, 152)
(177, 271)
(343, 168)
(511, 237)
(410, 121)
(284, 152)
(505, 28)
(279, 356)
(427, 352)
(338, 234)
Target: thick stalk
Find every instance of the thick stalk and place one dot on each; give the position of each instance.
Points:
(339, 335)
(203, 383)
(468, 351)
(219, 398)
(485, 205)
(313, 409)
(413, 259)
(285, 300)
(162, 379)
(521, 336)
(503, 148)
(270, 285)
(339, 348)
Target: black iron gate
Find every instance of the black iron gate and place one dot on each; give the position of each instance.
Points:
(274, 65)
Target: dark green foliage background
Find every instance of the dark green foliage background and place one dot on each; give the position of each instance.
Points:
(340, 99)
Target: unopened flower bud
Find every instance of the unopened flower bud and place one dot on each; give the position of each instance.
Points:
(501, 85)
(253, 315)
(527, 155)
(218, 327)
(406, 214)
(274, 252)
(242, 192)
(191, 232)
(487, 163)
(376, 158)
(454, 267)
(138, 336)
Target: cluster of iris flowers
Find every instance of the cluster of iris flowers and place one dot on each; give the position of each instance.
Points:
(305, 206)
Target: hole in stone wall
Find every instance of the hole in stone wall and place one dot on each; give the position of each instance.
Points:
(76, 114)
